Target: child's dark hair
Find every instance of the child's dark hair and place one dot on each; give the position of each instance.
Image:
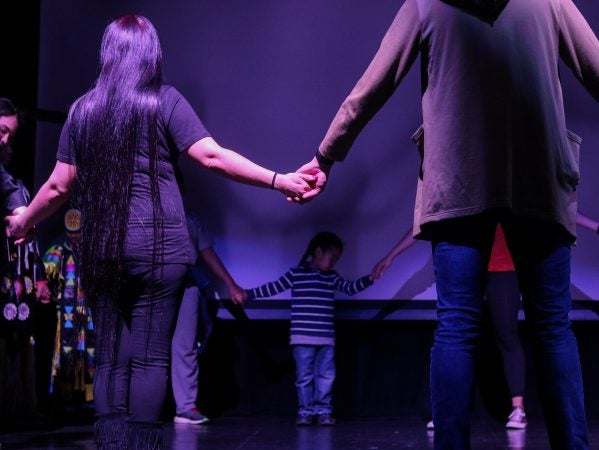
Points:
(324, 240)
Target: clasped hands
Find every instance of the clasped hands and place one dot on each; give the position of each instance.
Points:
(14, 228)
(318, 175)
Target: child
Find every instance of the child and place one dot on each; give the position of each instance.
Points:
(313, 284)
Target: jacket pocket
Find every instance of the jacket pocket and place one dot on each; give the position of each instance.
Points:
(418, 139)
(568, 168)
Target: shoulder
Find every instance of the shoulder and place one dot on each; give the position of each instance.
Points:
(169, 96)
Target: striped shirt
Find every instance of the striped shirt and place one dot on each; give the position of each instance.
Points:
(313, 301)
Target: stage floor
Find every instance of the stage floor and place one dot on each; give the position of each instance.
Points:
(265, 433)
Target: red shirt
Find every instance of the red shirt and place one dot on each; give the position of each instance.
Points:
(501, 260)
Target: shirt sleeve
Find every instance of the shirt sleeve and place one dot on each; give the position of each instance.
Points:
(66, 152)
(183, 124)
(10, 192)
(579, 47)
(393, 60)
(273, 287)
(352, 287)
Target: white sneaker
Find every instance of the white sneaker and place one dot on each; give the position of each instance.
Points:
(430, 425)
(517, 419)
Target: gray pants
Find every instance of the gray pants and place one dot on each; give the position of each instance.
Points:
(184, 366)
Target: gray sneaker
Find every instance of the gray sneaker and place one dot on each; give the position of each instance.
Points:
(193, 417)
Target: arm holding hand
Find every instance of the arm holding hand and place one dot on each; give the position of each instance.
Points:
(232, 165)
(211, 258)
(405, 242)
(52, 195)
(587, 222)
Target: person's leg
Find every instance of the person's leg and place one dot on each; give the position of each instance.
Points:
(460, 256)
(324, 377)
(304, 379)
(184, 364)
(541, 252)
(111, 380)
(503, 299)
(153, 318)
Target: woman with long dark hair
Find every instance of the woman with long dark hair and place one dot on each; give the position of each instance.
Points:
(117, 155)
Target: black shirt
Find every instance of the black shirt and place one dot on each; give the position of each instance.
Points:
(178, 128)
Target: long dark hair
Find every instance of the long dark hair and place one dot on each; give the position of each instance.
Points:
(325, 240)
(107, 126)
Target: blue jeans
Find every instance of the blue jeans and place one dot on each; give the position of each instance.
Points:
(541, 253)
(315, 374)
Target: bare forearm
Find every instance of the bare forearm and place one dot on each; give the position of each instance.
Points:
(52, 195)
(230, 164)
(48, 200)
(587, 222)
(218, 268)
(404, 243)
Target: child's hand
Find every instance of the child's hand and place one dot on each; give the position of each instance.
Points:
(380, 268)
(238, 294)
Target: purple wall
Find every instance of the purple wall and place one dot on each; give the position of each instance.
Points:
(267, 77)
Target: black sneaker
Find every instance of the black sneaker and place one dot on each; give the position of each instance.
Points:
(193, 417)
(304, 420)
(326, 420)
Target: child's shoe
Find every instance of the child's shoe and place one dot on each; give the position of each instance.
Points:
(326, 420)
(304, 420)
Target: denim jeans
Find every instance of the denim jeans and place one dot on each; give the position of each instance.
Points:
(315, 374)
(132, 378)
(541, 253)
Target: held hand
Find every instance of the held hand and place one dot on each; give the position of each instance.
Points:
(380, 268)
(294, 184)
(15, 229)
(238, 294)
(320, 174)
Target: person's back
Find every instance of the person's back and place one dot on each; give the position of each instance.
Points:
(495, 133)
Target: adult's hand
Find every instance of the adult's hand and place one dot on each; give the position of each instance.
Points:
(15, 229)
(320, 172)
(294, 184)
(380, 268)
(238, 294)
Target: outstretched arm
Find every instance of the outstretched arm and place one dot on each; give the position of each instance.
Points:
(579, 47)
(394, 58)
(352, 287)
(587, 222)
(230, 164)
(272, 288)
(405, 242)
(397, 53)
(52, 195)
(211, 258)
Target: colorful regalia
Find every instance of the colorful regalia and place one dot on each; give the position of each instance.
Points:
(73, 363)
